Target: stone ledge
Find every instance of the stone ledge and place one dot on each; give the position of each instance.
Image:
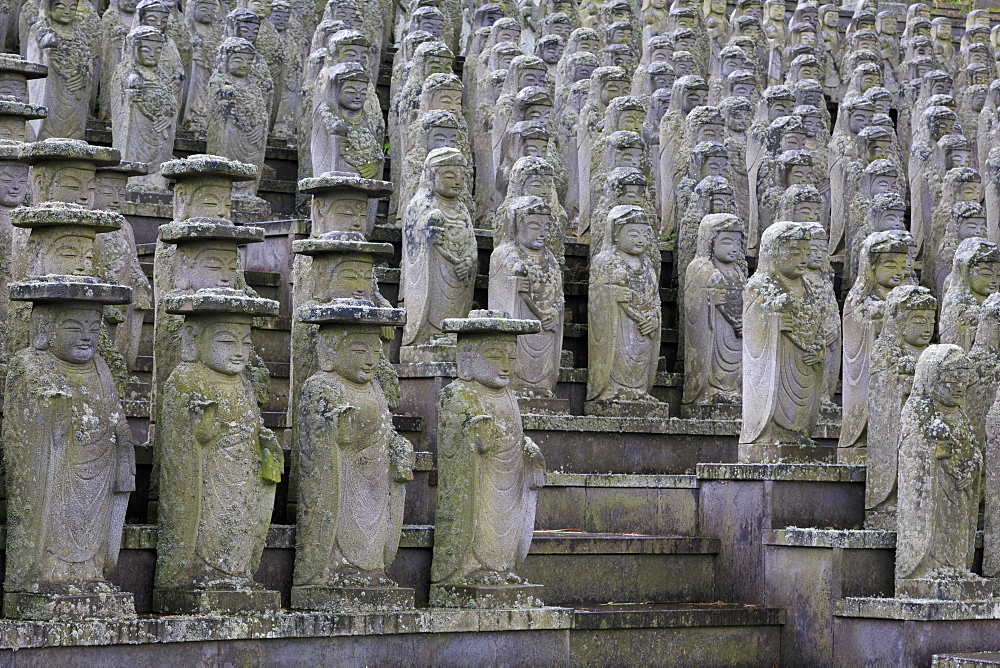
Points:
(23, 635)
(675, 616)
(578, 542)
(782, 472)
(966, 660)
(593, 423)
(917, 609)
(853, 539)
(619, 480)
(566, 374)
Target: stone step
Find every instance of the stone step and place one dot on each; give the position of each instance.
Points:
(966, 660)
(712, 634)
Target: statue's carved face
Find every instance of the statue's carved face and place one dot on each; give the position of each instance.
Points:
(716, 165)
(75, 333)
(354, 357)
(619, 36)
(447, 99)
(721, 203)
(15, 88)
(432, 24)
(811, 97)
(738, 120)
(718, 7)
(818, 248)
(539, 113)
(155, 17)
(634, 238)
(792, 258)
(612, 89)
(726, 248)
(217, 266)
(710, 132)
(631, 120)
(799, 174)
(247, 30)
(694, 98)
(811, 124)
(973, 226)
(438, 65)
(110, 194)
(532, 77)
(147, 52)
(13, 185)
(781, 108)
(208, 200)
(534, 148)
(658, 81)
(807, 37)
(354, 53)
(940, 87)
(70, 254)
(917, 327)
(490, 364)
(883, 185)
(743, 90)
(441, 138)
(352, 95)
(793, 140)
(238, 64)
(860, 118)
(342, 213)
(806, 211)
(830, 19)
(950, 389)
(62, 11)
(74, 185)
(890, 219)
(881, 104)
(890, 269)
(279, 18)
(970, 191)
(449, 181)
(984, 278)
(259, 8)
(812, 72)
(347, 14)
(536, 186)
(942, 31)
(959, 157)
(205, 11)
(533, 231)
(878, 148)
(682, 68)
(508, 35)
(224, 347)
(552, 52)
(350, 278)
(630, 156)
(633, 194)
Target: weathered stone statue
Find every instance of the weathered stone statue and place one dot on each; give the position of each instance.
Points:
(526, 282)
(143, 107)
(488, 473)
(984, 357)
(975, 275)
(57, 41)
(13, 191)
(116, 23)
(784, 351)
(624, 318)
(439, 258)
(68, 461)
(352, 468)
(343, 138)
(205, 28)
(882, 266)
(819, 276)
(907, 328)
(939, 483)
(713, 322)
(219, 464)
(967, 220)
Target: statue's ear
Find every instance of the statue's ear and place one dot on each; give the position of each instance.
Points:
(190, 335)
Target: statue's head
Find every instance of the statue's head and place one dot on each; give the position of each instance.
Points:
(883, 261)
(350, 46)
(737, 113)
(153, 13)
(262, 8)
(237, 56)
(280, 15)
(911, 310)
(243, 24)
(531, 219)
(784, 250)
(689, 92)
(62, 11)
(800, 203)
(440, 130)
(145, 43)
(720, 238)
(943, 373)
(976, 268)
(222, 342)
(349, 82)
(68, 330)
(550, 48)
(819, 247)
(13, 184)
(795, 168)
(879, 177)
(347, 275)
(350, 351)
(534, 104)
(70, 252)
(486, 358)
(967, 220)
(444, 171)
(428, 19)
(887, 212)
(778, 101)
(205, 12)
(630, 229)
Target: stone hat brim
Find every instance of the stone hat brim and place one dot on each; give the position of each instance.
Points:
(352, 312)
(490, 325)
(330, 182)
(204, 165)
(63, 150)
(321, 246)
(22, 110)
(192, 232)
(63, 214)
(126, 168)
(219, 300)
(70, 289)
(11, 62)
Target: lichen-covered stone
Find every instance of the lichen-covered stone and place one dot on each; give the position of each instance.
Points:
(975, 276)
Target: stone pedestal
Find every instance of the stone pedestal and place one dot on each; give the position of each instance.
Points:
(945, 589)
(430, 353)
(215, 601)
(712, 412)
(487, 596)
(775, 453)
(641, 409)
(543, 406)
(352, 599)
(68, 607)
(741, 503)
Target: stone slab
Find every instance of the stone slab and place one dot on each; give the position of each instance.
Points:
(487, 596)
(218, 602)
(782, 472)
(760, 453)
(731, 412)
(965, 589)
(543, 406)
(971, 660)
(627, 409)
(352, 599)
(68, 607)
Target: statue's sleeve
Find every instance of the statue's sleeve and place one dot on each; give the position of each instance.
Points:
(858, 339)
(699, 333)
(761, 340)
(502, 291)
(458, 493)
(319, 481)
(415, 272)
(604, 314)
(916, 452)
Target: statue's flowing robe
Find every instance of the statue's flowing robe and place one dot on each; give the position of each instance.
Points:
(65, 92)
(781, 393)
(350, 511)
(862, 324)
(713, 351)
(145, 116)
(215, 506)
(70, 466)
(889, 387)
(486, 498)
(537, 364)
(936, 527)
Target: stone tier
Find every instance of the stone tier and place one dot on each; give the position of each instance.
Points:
(966, 660)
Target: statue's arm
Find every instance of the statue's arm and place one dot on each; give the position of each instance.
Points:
(125, 465)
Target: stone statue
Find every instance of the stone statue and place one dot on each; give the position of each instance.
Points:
(624, 322)
(967, 220)
(343, 138)
(784, 351)
(219, 464)
(204, 26)
(882, 266)
(68, 459)
(143, 107)
(439, 257)
(975, 275)
(526, 282)
(157, 14)
(488, 473)
(713, 322)
(57, 41)
(984, 356)
(939, 483)
(239, 110)
(13, 191)
(116, 23)
(819, 276)
(982, 391)
(352, 468)
(907, 328)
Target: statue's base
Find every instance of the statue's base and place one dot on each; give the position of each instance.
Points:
(215, 601)
(627, 409)
(487, 596)
(856, 455)
(781, 453)
(712, 411)
(881, 520)
(352, 599)
(543, 405)
(68, 607)
(427, 353)
(942, 589)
